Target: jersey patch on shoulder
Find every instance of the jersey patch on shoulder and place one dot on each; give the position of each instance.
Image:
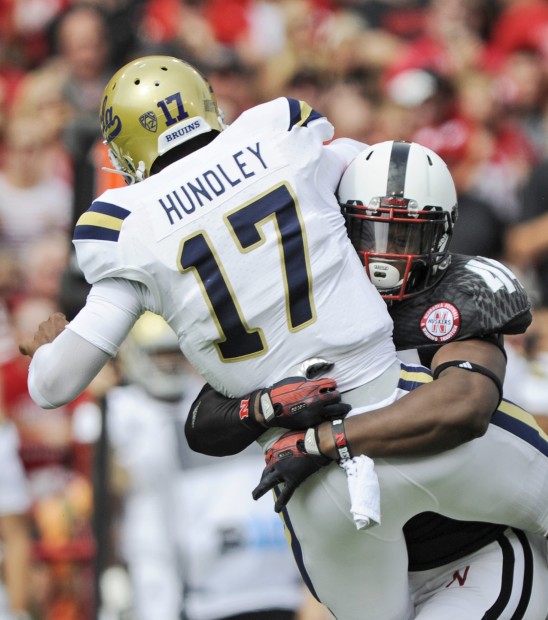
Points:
(440, 322)
(300, 113)
(102, 221)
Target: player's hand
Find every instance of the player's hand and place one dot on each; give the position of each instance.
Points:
(47, 332)
(298, 403)
(288, 462)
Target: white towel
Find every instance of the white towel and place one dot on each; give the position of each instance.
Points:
(363, 486)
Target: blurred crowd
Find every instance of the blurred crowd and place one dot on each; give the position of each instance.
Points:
(467, 78)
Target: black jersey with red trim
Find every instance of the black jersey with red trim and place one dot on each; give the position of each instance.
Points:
(476, 298)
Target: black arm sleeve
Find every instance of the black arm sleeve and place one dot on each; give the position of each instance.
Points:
(214, 427)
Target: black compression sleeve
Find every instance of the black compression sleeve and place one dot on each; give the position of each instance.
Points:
(214, 427)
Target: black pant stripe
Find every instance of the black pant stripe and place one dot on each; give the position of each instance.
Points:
(508, 562)
(527, 576)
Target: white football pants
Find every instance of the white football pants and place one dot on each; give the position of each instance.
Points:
(501, 477)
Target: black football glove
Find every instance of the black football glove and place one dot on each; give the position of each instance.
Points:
(295, 403)
(288, 462)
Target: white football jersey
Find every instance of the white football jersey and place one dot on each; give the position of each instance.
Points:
(245, 251)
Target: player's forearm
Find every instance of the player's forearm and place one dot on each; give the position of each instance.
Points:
(66, 357)
(423, 422)
(437, 416)
(220, 426)
(61, 370)
(214, 426)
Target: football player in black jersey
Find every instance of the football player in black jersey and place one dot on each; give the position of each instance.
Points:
(436, 298)
(450, 312)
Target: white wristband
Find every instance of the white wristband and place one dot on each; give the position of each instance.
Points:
(267, 408)
(311, 443)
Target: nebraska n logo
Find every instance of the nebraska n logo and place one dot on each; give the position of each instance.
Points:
(458, 578)
(244, 409)
(149, 121)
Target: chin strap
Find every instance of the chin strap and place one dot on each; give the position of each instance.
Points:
(140, 172)
(221, 119)
(127, 177)
(472, 368)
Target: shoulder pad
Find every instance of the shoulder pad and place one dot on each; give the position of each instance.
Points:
(283, 115)
(300, 113)
(475, 298)
(102, 222)
(98, 239)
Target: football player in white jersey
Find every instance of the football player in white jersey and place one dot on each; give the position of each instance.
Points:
(458, 569)
(235, 237)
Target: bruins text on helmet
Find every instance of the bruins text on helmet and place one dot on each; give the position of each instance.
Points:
(152, 105)
(400, 204)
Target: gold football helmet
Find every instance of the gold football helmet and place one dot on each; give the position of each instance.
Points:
(151, 105)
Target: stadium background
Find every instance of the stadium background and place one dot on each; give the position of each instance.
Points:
(467, 78)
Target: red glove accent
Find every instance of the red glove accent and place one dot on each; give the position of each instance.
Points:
(298, 403)
(288, 462)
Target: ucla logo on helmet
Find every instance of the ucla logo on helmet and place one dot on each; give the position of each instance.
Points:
(149, 121)
(110, 125)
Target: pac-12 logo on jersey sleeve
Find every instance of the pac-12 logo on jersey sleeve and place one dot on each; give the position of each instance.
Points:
(440, 322)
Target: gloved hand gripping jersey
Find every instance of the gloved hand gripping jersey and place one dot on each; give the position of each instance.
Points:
(229, 425)
(294, 403)
(288, 462)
